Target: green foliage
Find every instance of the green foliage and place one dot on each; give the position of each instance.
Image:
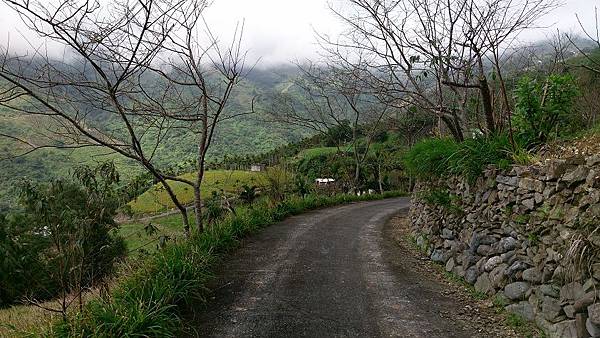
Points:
(279, 183)
(515, 321)
(430, 157)
(62, 237)
(302, 185)
(214, 208)
(437, 197)
(382, 163)
(544, 110)
(149, 301)
(248, 194)
(443, 157)
(339, 134)
(474, 155)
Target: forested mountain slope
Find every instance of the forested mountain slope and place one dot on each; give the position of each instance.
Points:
(244, 135)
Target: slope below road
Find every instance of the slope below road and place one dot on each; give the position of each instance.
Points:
(329, 273)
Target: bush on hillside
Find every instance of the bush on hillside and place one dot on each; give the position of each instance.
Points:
(474, 155)
(62, 239)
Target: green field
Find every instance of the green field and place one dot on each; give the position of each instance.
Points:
(157, 200)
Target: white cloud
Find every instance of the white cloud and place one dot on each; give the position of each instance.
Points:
(283, 30)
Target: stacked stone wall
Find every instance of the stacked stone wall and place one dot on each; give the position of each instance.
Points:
(528, 236)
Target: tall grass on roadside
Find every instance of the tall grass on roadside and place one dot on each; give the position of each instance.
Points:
(437, 157)
(150, 301)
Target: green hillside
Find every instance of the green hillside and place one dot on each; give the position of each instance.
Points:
(244, 135)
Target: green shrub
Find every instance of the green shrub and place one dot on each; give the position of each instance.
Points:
(62, 239)
(443, 198)
(544, 110)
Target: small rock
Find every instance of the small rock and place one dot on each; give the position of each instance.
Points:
(515, 267)
(469, 259)
(594, 313)
(549, 290)
(569, 310)
(582, 303)
(532, 275)
(529, 203)
(523, 309)
(421, 242)
(450, 265)
(492, 263)
(555, 168)
(564, 329)
(474, 243)
(592, 328)
(508, 244)
(596, 271)
(485, 250)
(531, 184)
(551, 308)
(439, 256)
(459, 271)
(589, 285)
(447, 234)
(579, 174)
(471, 275)
(484, 284)
(516, 290)
(571, 292)
(498, 275)
(507, 180)
(593, 179)
(593, 160)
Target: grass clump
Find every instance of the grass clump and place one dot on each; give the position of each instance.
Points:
(150, 301)
(437, 157)
(430, 157)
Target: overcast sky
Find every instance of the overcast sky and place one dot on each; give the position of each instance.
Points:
(280, 31)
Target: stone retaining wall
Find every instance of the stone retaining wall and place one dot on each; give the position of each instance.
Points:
(526, 236)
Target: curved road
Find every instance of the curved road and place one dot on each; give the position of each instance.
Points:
(327, 273)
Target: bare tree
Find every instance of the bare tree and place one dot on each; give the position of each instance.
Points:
(593, 36)
(336, 103)
(436, 54)
(130, 63)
